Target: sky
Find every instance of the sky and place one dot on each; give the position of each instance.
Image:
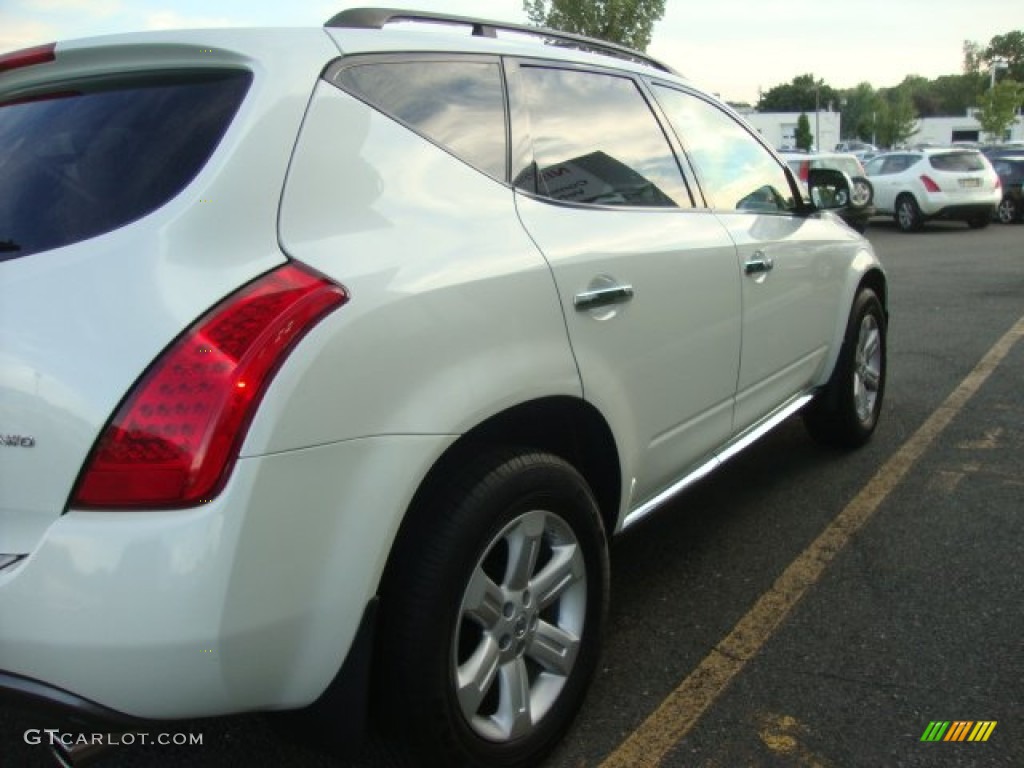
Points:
(734, 48)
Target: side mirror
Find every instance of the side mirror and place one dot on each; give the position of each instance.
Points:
(831, 189)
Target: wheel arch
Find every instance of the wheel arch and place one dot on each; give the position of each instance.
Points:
(875, 280)
(567, 427)
(866, 272)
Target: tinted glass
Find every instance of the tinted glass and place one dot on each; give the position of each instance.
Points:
(458, 105)
(964, 162)
(74, 165)
(1009, 170)
(595, 140)
(736, 171)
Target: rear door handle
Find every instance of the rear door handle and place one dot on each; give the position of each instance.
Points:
(602, 297)
(758, 264)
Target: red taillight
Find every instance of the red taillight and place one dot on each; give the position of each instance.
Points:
(805, 171)
(930, 185)
(28, 57)
(174, 440)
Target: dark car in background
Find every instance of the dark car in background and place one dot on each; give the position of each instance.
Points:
(1003, 150)
(1011, 173)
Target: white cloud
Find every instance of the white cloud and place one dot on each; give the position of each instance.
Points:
(173, 20)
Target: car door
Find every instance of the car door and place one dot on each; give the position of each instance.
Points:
(791, 265)
(885, 173)
(647, 282)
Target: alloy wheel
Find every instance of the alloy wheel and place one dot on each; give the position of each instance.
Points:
(519, 626)
(867, 372)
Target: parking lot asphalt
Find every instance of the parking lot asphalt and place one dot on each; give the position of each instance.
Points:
(916, 618)
(915, 615)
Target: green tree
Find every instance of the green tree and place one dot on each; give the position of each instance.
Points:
(920, 91)
(974, 54)
(896, 119)
(801, 95)
(1008, 48)
(803, 136)
(955, 94)
(998, 108)
(857, 112)
(627, 22)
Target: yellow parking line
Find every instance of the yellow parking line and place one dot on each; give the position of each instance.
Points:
(681, 709)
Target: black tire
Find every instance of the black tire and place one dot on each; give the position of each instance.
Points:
(979, 222)
(439, 623)
(908, 214)
(1007, 212)
(845, 413)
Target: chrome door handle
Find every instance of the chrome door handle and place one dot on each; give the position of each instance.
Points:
(602, 297)
(758, 264)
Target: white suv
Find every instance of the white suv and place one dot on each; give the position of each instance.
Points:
(917, 185)
(331, 358)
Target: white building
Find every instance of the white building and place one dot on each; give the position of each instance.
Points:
(779, 128)
(946, 130)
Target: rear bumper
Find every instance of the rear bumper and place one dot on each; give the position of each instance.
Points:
(252, 602)
(347, 694)
(963, 212)
(67, 708)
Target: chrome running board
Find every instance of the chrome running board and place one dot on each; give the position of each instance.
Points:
(726, 452)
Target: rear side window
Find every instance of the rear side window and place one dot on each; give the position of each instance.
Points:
(459, 105)
(75, 164)
(964, 162)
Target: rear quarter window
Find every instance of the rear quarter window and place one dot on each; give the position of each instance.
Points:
(459, 105)
(77, 163)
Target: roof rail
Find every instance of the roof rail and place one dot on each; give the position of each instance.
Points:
(377, 18)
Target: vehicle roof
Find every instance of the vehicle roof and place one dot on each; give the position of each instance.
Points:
(423, 39)
(927, 151)
(397, 38)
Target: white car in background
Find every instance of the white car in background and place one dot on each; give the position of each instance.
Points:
(331, 358)
(935, 183)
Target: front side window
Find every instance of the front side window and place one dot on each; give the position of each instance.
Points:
(596, 141)
(77, 163)
(459, 105)
(737, 172)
